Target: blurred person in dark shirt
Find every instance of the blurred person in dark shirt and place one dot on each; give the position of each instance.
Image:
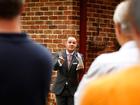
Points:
(25, 66)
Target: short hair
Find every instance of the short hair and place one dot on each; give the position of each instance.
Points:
(10, 8)
(120, 14)
(134, 13)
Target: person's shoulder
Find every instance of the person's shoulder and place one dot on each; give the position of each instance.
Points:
(40, 51)
(113, 80)
(38, 46)
(106, 57)
(78, 53)
(111, 85)
(102, 61)
(107, 88)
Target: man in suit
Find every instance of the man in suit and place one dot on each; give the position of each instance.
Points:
(122, 88)
(68, 64)
(108, 63)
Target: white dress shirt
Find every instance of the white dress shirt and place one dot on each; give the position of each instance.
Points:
(106, 63)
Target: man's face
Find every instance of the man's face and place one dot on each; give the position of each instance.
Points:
(71, 44)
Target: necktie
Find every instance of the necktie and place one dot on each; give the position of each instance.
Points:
(69, 58)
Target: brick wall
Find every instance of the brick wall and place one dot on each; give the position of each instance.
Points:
(100, 28)
(50, 22)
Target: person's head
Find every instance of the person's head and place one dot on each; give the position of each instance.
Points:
(133, 15)
(71, 44)
(122, 25)
(10, 9)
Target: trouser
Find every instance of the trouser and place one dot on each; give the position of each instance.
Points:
(65, 98)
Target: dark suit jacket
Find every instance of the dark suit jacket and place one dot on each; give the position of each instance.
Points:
(66, 75)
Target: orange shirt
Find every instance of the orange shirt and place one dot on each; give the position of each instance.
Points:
(122, 88)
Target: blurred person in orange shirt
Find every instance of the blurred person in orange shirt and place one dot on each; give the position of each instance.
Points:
(122, 88)
(107, 63)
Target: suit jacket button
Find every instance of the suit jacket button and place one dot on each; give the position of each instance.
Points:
(66, 83)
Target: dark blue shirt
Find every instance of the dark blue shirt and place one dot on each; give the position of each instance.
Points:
(25, 70)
